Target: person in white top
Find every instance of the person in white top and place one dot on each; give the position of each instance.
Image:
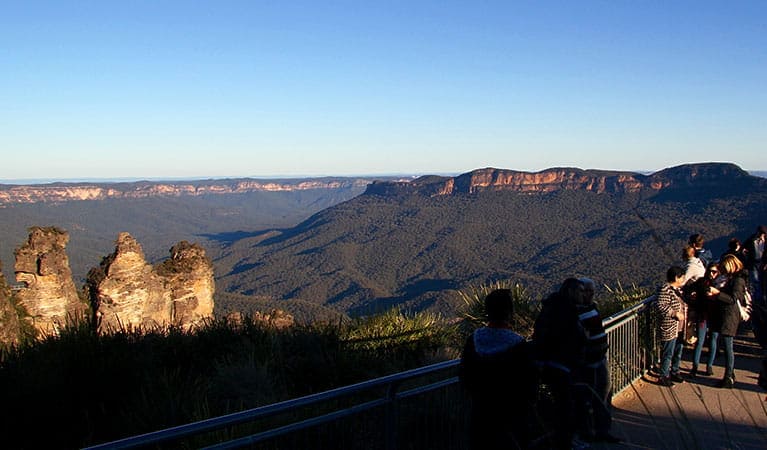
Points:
(694, 266)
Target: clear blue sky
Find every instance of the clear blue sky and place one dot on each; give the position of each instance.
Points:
(108, 89)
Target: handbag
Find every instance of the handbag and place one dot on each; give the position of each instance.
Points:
(745, 307)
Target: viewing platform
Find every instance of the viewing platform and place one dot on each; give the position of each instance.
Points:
(696, 414)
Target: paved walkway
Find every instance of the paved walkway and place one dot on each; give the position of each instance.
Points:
(696, 414)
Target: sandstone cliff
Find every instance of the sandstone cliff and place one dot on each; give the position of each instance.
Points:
(62, 192)
(48, 294)
(126, 292)
(10, 327)
(490, 179)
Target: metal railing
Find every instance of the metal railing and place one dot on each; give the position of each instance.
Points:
(419, 408)
(633, 343)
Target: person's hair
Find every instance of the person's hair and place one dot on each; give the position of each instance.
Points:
(587, 282)
(673, 273)
(498, 305)
(570, 287)
(731, 264)
(688, 252)
(733, 244)
(696, 240)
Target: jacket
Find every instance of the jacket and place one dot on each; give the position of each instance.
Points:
(668, 303)
(559, 339)
(734, 290)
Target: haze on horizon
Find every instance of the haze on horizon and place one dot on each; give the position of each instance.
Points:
(186, 90)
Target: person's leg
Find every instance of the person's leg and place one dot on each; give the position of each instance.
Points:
(584, 402)
(666, 355)
(702, 328)
(676, 359)
(728, 381)
(729, 353)
(712, 351)
(603, 408)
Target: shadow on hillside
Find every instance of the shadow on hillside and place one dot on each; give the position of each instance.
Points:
(230, 237)
(409, 293)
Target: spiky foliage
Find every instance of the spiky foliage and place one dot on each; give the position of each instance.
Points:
(619, 298)
(526, 309)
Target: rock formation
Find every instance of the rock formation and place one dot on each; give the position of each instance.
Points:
(126, 292)
(10, 328)
(48, 294)
(188, 276)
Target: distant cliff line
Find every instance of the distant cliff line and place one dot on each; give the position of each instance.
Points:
(486, 179)
(63, 192)
(696, 175)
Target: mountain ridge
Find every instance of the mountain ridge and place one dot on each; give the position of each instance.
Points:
(413, 245)
(556, 178)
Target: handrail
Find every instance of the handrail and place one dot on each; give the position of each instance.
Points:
(608, 322)
(237, 418)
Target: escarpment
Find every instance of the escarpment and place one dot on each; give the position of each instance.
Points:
(556, 179)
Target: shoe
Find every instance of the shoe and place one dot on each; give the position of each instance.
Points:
(726, 383)
(608, 438)
(578, 444)
(709, 371)
(693, 373)
(665, 381)
(676, 378)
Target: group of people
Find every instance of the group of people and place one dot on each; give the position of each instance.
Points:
(503, 371)
(709, 294)
(567, 353)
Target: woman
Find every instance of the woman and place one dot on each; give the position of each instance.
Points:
(734, 290)
(702, 309)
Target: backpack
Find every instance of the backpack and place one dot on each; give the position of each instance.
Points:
(745, 306)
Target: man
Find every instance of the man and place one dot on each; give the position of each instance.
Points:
(593, 377)
(671, 311)
(497, 371)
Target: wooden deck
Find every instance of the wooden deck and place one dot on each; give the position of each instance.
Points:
(696, 414)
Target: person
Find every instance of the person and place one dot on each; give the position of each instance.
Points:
(693, 265)
(735, 247)
(755, 262)
(593, 376)
(558, 345)
(759, 315)
(696, 241)
(733, 290)
(672, 314)
(700, 309)
(497, 371)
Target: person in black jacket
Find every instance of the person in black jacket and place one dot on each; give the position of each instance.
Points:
(592, 378)
(497, 371)
(559, 342)
(734, 290)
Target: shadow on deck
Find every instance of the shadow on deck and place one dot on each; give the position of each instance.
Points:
(696, 414)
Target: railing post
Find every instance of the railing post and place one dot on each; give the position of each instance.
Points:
(392, 416)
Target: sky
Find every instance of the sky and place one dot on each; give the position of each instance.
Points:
(208, 89)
